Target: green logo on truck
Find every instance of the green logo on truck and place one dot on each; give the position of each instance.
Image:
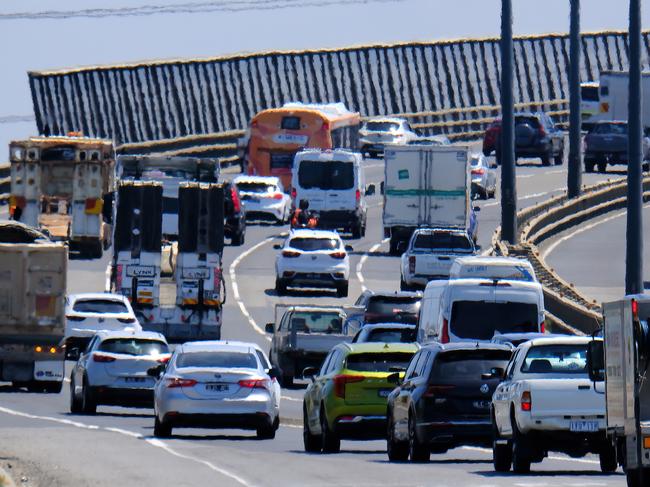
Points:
(403, 174)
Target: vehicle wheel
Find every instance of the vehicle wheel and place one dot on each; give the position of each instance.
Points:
(645, 166)
(357, 229)
(96, 250)
(363, 229)
(602, 166)
(493, 193)
(559, 159)
(52, 387)
(161, 429)
(398, 451)
(520, 451)
(34, 386)
(501, 454)
(417, 451)
(266, 431)
(498, 157)
(286, 380)
(312, 442)
(342, 290)
(608, 460)
(106, 244)
(546, 159)
(88, 403)
(403, 286)
(238, 238)
(280, 286)
(394, 246)
(372, 155)
(330, 442)
(439, 449)
(75, 402)
(589, 167)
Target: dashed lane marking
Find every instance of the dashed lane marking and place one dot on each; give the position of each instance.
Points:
(551, 457)
(362, 261)
(525, 197)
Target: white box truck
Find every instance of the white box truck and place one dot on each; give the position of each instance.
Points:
(613, 97)
(426, 186)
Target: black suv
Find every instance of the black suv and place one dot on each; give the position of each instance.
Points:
(444, 400)
(536, 136)
(235, 224)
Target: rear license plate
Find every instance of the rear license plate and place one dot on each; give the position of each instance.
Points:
(583, 426)
(135, 379)
(384, 392)
(217, 387)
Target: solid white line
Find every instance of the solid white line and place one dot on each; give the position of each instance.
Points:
(584, 228)
(525, 197)
(235, 287)
(563, 459)
(132, 434)
(362, 261)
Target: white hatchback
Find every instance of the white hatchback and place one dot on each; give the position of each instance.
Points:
(264, 196)
(88, 313)
(313, 258)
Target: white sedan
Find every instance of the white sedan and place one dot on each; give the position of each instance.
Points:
(313, 258)
(88, 313)
(263, 197)
(484, 177)
(217, 384)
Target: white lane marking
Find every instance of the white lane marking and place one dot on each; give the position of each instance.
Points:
(235, 287)
(551, 457)
(290, 426)
(526, 176)
(289, 398)
(525, 197)
(584, 228)
(132, 434)
(362, 261)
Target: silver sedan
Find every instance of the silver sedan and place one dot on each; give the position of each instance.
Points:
(484, 177)
(217, 384)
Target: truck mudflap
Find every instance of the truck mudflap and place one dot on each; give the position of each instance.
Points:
(183, 324)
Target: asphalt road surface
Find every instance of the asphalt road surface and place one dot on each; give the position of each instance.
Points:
(116, 447)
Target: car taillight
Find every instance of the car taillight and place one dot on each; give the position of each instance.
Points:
(412, 264)
(74, 318)
(338, 255)
(526, 401)
(235, 199)
(478, 172)
(163, 360)
(341, 380)
(444, 333)
(542, 132)
(178, 382)
(126, 320)
(98, 357)
(433, 390)
(254, 383)
(357, 195)
(118, 277)
(290, 253)
(542, 327)
(294, 193)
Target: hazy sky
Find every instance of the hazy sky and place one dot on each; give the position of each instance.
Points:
(108, 32)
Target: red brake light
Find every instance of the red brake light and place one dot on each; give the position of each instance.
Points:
(290, 253)
(163, 360)
(635, 310)
(412, 264)
(341, 380)
(444, 334)
(526, 401)
(478, 172)
(177, 382)
(338, 255)
(358, 195)
(254, 383)
(235, 199)
(277, 196)
(98, 357)
(542, 327)
(294, 193)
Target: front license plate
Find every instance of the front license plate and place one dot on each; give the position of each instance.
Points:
(384, 392)
(217, 387)
(138, 380)
(584, 426)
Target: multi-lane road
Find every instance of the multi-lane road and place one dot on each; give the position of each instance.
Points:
(116, 447)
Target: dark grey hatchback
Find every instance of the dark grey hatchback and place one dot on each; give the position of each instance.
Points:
(444, 400)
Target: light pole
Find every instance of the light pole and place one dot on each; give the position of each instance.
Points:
(574, 165)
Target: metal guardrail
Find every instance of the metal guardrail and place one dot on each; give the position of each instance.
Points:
(567, 309)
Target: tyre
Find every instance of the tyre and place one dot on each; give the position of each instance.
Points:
(398, 451)
(645, 166)
(330, 442)
(312, 442)
(493, 193)
(520, 451)
(342, 289)
(546, 159)
(34, 386)
(559, 159)
(363, 229)
(75, 402)
(394, 246)
(52, 387)
(501, 454)
(608, 460)
(238, 238)
(286, 380)
(589, 167)
(280, 286)
(418, 452)
(403, 286)
(357, 229)
(88, 403)
(266, 431)
(161, 429)
(95, 250)
(602, 166)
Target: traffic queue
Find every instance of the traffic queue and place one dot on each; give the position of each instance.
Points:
(458, 356)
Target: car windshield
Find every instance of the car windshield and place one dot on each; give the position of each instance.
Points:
(313, 244)
(378, 362)
(480, 320)
(382, 126)
(133, 346)
(399, 309)
(467, 365)
(443, 240)
(388, 335)
(556, 359)
(228, 360)
(610, 128)
(252, 187)
(326, 175)
(99, 306)
(316, 322)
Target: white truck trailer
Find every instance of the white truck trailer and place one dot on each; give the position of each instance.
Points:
(426, 186)
(613, 97)
(33, 273)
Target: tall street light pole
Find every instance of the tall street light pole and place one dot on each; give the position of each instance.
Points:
(506, 151)
(575, 167)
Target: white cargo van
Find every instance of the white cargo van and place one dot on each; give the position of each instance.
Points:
(510, 268)
(477, 309)
(334, 184)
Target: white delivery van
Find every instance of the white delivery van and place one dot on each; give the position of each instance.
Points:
(510, 268)
(333, 183)
(477, 309)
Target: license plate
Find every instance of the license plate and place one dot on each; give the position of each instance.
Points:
(135, 379)
(217, 387)
(252, 199)
(384, 392)
(584, 426)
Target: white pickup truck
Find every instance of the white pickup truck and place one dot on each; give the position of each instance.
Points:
(547, 402)
(430, 254)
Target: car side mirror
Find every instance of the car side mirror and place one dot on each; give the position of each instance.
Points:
(494, 373)
(371, 189)
(269, 328)
(277, 246)
(310, 372)
(73, 354)
(274, 373)
(349, 248)
(156, 371)
(596, 360)
(394, 378)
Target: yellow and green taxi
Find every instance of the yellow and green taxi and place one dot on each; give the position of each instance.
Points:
(347, 397)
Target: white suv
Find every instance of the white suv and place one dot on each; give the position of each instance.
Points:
(313, 258)
(378, 132)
